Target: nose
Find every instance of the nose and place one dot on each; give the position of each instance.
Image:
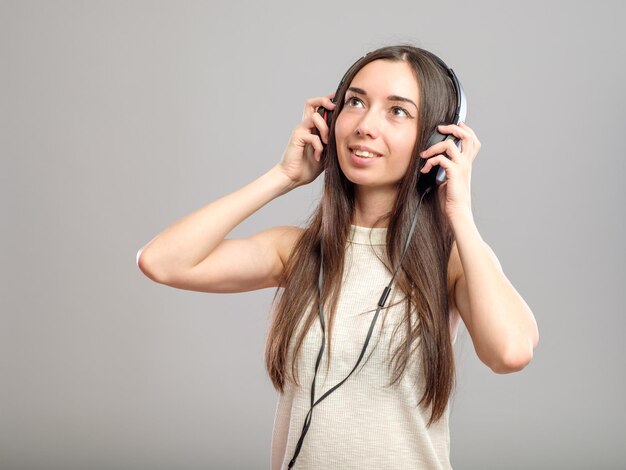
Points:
(368, 124)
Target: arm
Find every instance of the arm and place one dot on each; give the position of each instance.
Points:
(500, 323)
(193, 253)
(502, 327)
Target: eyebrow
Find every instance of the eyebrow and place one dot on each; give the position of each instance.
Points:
(361, 91)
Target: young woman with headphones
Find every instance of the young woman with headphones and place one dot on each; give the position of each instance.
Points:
(372, 291)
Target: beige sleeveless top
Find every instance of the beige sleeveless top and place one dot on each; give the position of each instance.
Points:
(365, 423)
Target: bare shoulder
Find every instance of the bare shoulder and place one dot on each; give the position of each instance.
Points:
(282, 239)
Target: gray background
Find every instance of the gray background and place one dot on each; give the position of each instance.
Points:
(119, 118)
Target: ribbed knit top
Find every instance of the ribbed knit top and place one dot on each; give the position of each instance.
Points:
(365, 423)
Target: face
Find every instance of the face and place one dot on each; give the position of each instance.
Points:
(376, 130)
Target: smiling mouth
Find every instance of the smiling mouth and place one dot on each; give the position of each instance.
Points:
(364, 153)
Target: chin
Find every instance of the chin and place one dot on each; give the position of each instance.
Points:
(359, 180)
(362, 176)
(355, 175)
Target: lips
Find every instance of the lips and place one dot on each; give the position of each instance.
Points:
(364, 152)
(361, 158)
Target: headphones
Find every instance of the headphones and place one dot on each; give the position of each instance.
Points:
(429, 179)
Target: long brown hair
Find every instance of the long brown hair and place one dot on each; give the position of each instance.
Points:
(423, 275)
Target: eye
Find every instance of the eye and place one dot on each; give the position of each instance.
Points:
(354, 102)
(400, 112)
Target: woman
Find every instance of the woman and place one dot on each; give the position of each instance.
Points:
(381, 399)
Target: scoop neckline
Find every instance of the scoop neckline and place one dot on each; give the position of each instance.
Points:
(367, 235)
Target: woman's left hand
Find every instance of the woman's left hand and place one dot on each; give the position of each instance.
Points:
(457, 164)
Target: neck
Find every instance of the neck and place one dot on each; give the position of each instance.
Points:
(371, 204)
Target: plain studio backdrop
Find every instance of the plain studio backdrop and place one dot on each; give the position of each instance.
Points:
(118, 118)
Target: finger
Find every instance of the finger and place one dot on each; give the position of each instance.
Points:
(469, 145)
(465, 133)
(455, 130)
(467, 128)
(321, 126)
(471, 131)
(440, 160)
(315, 142)
(315, 124)
(326, 101)
(447, 146)
(312, 104)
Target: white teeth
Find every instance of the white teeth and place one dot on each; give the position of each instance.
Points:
(364, 154)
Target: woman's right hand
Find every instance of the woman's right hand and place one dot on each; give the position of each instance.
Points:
(301, 161)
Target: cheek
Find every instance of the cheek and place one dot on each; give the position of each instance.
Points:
(405, 144)
(341, 128)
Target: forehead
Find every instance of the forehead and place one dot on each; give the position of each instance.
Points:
(386, 77)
